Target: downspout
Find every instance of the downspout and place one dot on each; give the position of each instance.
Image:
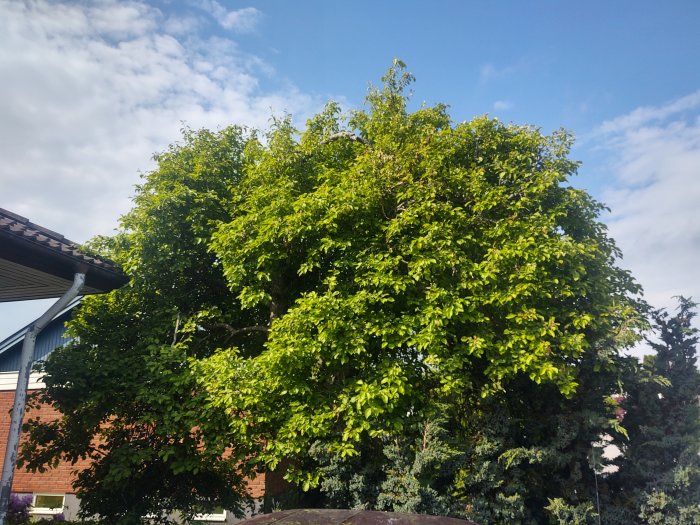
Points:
(26, 362)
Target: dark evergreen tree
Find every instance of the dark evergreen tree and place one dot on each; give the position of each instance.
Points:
(658, 481)
(412, 472)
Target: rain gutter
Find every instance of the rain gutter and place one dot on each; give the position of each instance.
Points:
(27, 360)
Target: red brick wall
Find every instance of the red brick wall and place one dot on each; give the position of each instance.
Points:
(59, 480)
(55, 480)
(256, 487)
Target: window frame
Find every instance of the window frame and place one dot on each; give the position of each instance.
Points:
(214, 516)
(47, 510)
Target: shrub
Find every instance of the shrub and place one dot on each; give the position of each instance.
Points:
(18, 509)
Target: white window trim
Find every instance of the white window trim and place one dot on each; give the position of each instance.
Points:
(47, 510)
(220, 516)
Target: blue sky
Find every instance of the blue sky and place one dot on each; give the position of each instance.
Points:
(91, 89)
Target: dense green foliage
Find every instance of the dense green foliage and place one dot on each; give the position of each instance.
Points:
(414, 314)
(130, 401)
(659, 471)
(420, 263)
(525, 456)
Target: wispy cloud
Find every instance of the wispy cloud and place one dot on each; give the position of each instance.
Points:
(491, 71)
(654, 152)
(502, 105)
(181, 25)
(91, 90)
(650, 114)
(243, 20)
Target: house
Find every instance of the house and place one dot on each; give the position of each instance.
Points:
(54, 487)
(37, 263)
(51, 491)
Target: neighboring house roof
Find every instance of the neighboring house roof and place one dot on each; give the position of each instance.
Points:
(37, 263)
(350, 517)
(50, 338)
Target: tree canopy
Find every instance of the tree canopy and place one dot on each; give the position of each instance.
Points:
(422, 261)
(385, 284)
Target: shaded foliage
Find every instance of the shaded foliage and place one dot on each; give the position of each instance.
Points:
(659, 471)
(401, 474)
(130, 402)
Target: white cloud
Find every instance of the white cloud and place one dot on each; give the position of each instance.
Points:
(121, 20)
(502, 105)
(647, 114)
(90, 91)
(655, 196)
(243, 20)
(181, 25)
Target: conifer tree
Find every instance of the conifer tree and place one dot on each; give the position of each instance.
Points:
(659, 477)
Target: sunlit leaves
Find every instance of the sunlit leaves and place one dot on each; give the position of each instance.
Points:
(405, 259)
(338, 286)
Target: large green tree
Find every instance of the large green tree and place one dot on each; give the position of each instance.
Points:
(386, 285)
(410, 264)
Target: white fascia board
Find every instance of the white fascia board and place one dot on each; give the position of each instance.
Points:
(8, 381)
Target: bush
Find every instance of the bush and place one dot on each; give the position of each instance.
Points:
(18, 509)
(60, 518)
(53, 520)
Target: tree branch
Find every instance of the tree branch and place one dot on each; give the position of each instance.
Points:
(235, 331)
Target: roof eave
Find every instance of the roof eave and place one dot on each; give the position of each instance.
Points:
(100, 277)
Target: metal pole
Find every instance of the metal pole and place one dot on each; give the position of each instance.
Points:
(27, 359)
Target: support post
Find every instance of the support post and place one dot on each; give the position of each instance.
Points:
(27, 360)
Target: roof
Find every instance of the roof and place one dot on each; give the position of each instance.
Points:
(349, 517)
(38, 263)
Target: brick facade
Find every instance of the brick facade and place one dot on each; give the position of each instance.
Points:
(56, 480)
(60, 479)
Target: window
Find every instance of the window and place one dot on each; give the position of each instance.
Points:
(218, 514)
(48, 503)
